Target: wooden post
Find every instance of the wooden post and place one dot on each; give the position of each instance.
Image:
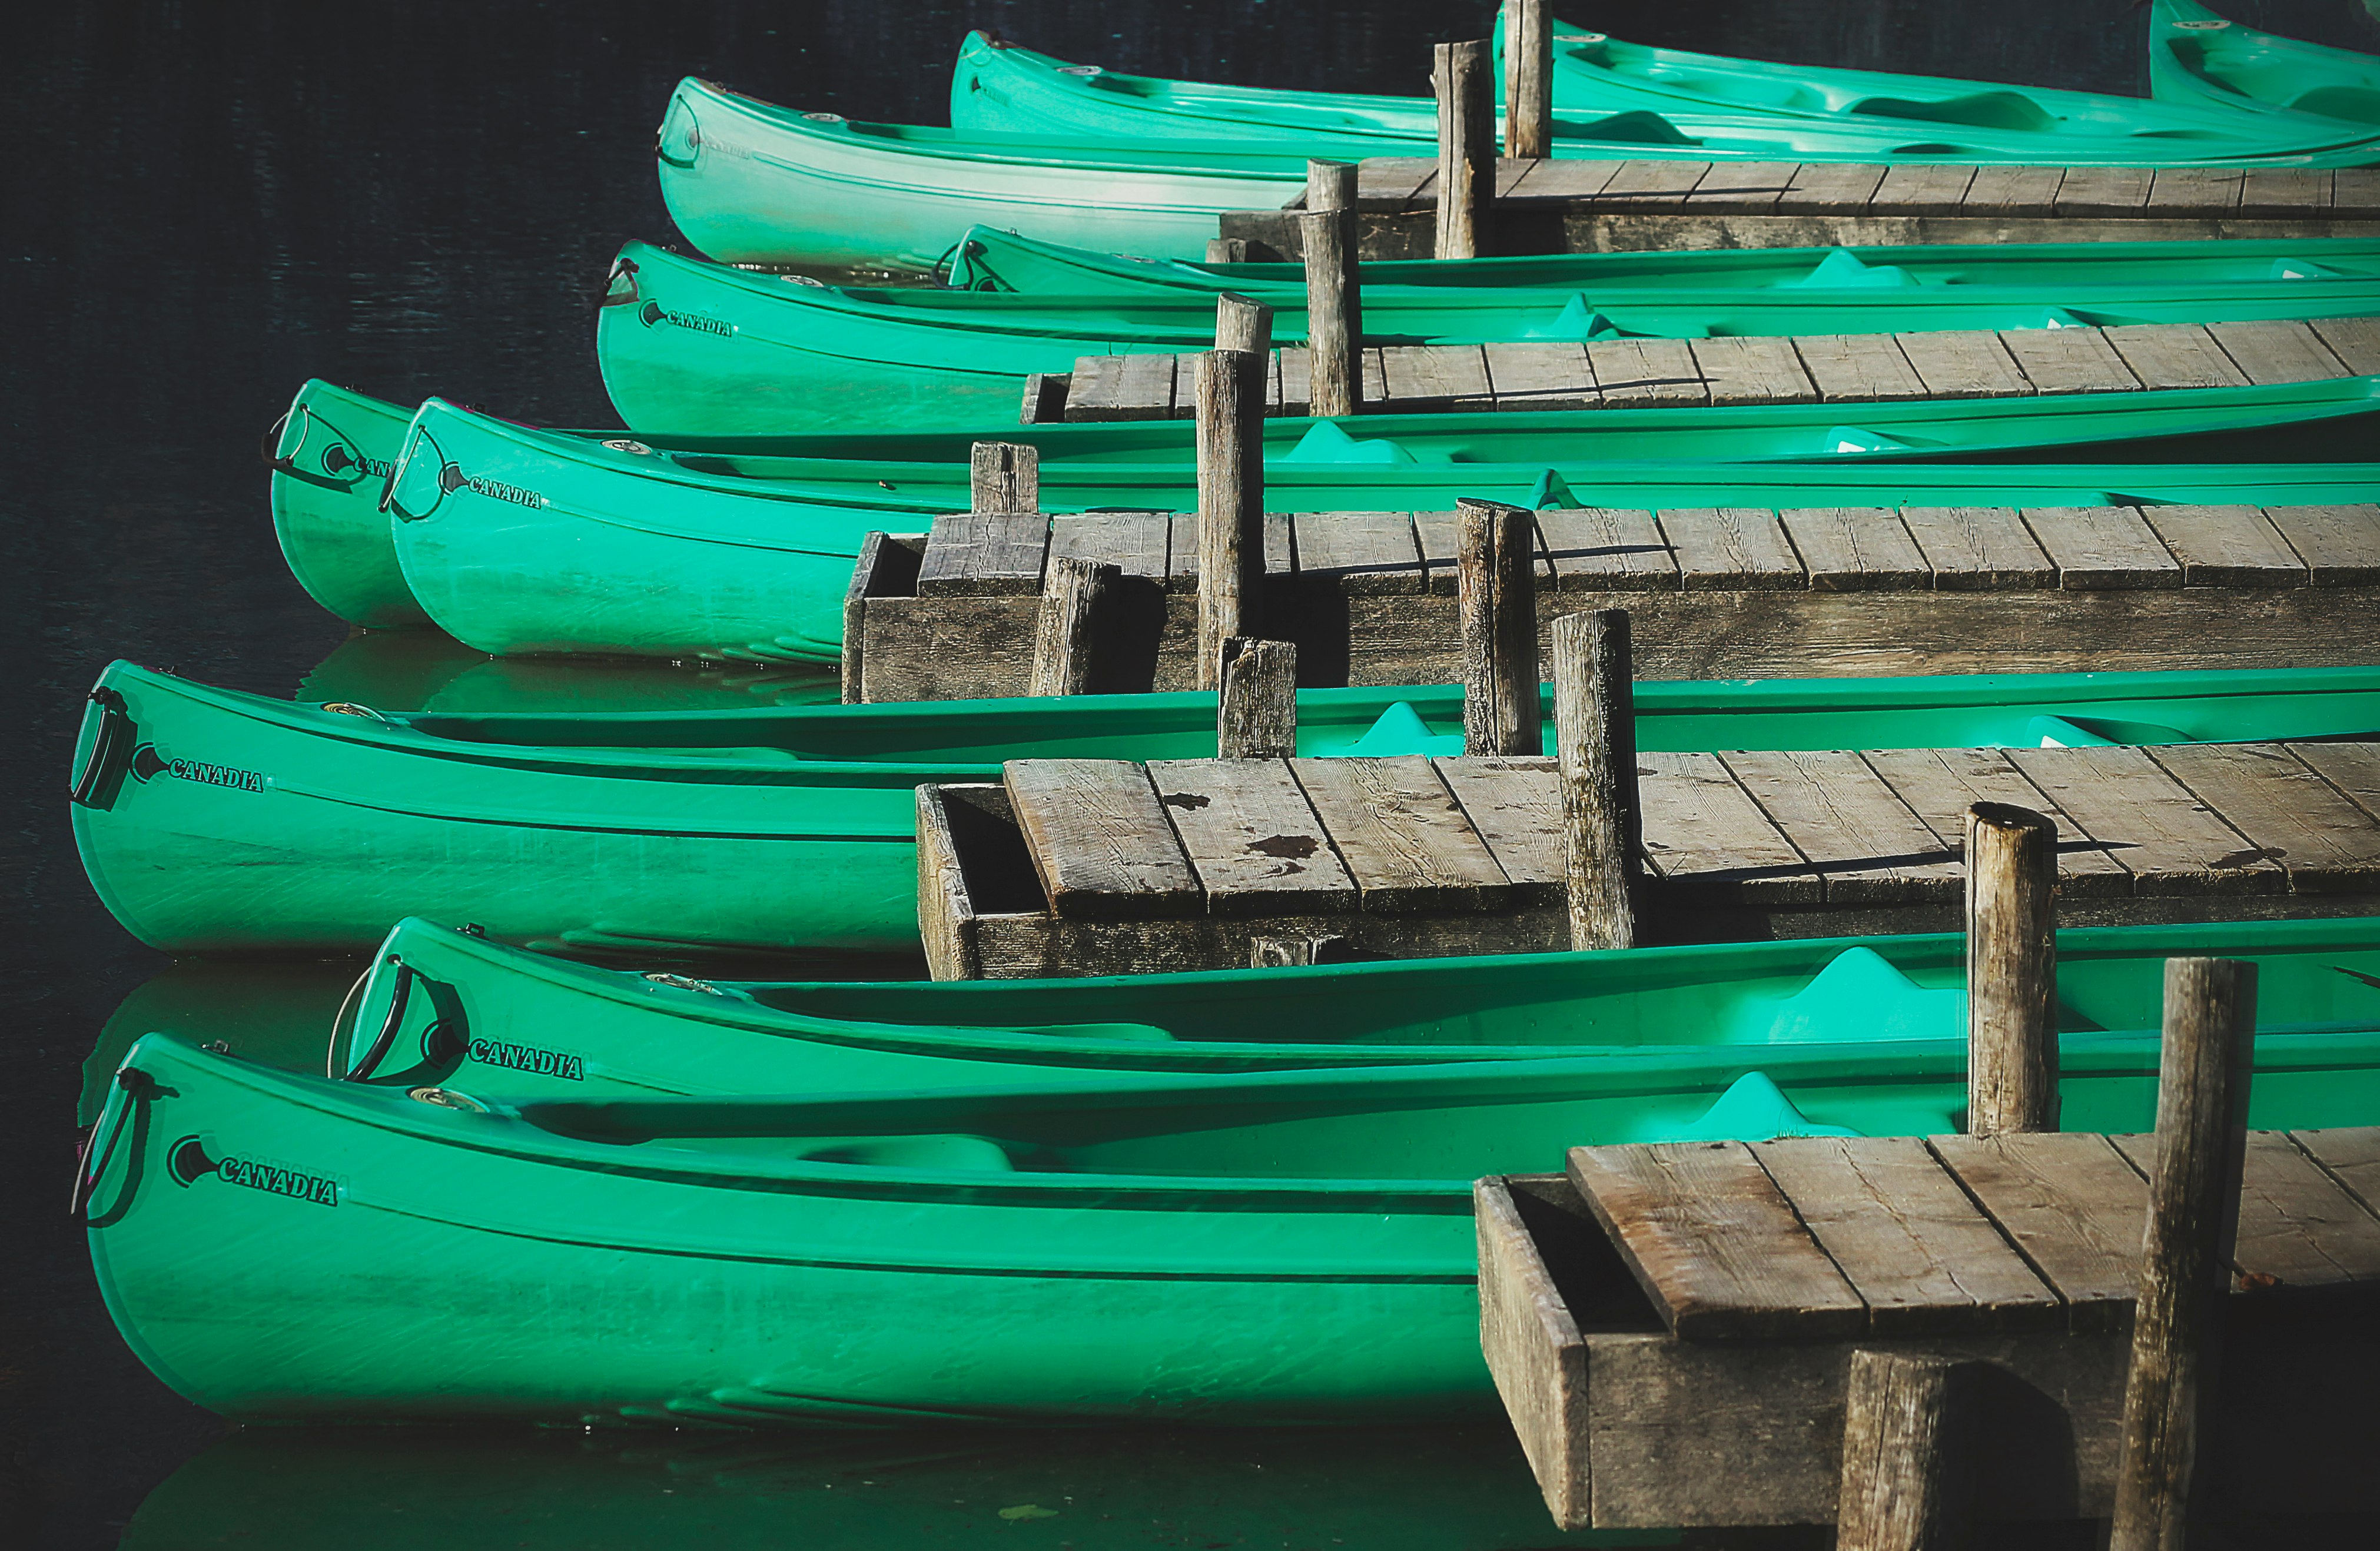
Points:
(1073, 595)
(1227, 250)
(1255, 714)
(1529, 80)
(1243, 323)
(2202, 1136)
(1466, 147)
(1496, 601)
(1907, 1469)
(1004, 477)
(2011, 970)
(1334, 305)
(1281, 953)
(1595, 734)
(1230, 501)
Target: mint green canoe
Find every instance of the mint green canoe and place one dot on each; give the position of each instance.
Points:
(1613, 99)
(2200, 58)
(692, 347)
(209, 819)
(277, 1247)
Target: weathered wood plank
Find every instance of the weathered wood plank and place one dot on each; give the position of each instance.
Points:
(2355, 193)
(1294, 371)
(2197, 190)
(1403, 837)
(1704, 832)
(2102, 547)
(1528, 1331)
(2298, 1228)
(1641, 186)
(2168, 841)
(1564, 179)
(1858, 367)
(1740, 369)
(2225, 546)
(995, 553)
(1978, 548)
(1912, 190)
(2175, 356)
(1182, 555)
(2322, 840)
(1906, 1237)
(2355, 341)
(1251, 837)
(1135, 543)
(2284, 191)
(2104, 191)
(1646, 373)
(1392, 180)
(2068, 360)
(1940, 784)
(2011, 190)
(2070, 1203)
(1099, 839)
(1435, 377)
(1731, 549)
(1856, 832)
(1743, 188)
(1541, 375)
(2353, 769)
(1607, 548)
(2277, 351)
(1856, 549)
(2349, 1155)
(1964, 363)
(1830, 188)
(2340, 544)
(1516, 803)
(1711, 1239)
(1361, 553)
(1122, 388)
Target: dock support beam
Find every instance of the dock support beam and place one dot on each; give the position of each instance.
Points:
(1496, 604)
(1334, 307)
(1003, 476)
(1230, 501)
(1255, 714)
(2202, 1136)
(1466, 147)
(1066, 633)
(1906, 1467)
(2011, 970)
(1595, 735)
(1529, 80)
(1243, 323)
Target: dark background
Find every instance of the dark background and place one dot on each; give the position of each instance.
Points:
(200, 205)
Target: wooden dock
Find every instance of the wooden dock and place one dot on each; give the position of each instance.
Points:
(1750, 370)
(1577, 206)
(1370, 598)
(1094, 866)
(1671, 1325)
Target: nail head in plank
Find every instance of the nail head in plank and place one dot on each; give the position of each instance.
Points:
(1906, 1237)
(1516, 803)
(1099, 839)
(1607, 548)
(2195, 190)
(2175, 356)
(2349, 1155)
(1940, 784)
(1856, 549)
(1645, 187)
(1830, 188)
(2068, 360)
(2355, 341)
(2340, 544)
(1541, 375)
(2324, 842)
(1731, 549)
(1366, 553)
(2013, 190)
(1135, 543)
(2297, 1228)
(1704, 832)
(2225, 546)
(2072, 1207)
(1978, 548)
(1710, 1237)
(2278, 350)
(1915, 189)
(1858, 368)
(2284, 191)
(1402, 835)
(1752, 369)
(1855, 831)
(1441, 378)
(2099, 549)
(988, 552)
(1641, 374)
(1964, 363)
(1251, 837)
(2171, 842)
(2104, 191)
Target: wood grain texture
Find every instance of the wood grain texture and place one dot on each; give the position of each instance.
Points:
(1435, 379)
(1122, 388)
(1255, 714)
(1703, 834)
(1607, 548)
(2340, 545)
(1645, 187)
(2277, 351)
(1595, 745)
(2010, 853)
(1731, 549)
(1908, 1460)
(1358, 553)
(944, 913)
(2175, 356)
(1854, 831)
(1912, 188)
(1251, 837)
(1964, 363)
(2322, 840)
(1646, 373)
(2068, 360)
(1830, 187)
(1540, 374)
(2225, 546)
(1856, 550)
(1745, 187)
(2284, 191)
(1099, 839)
(2170, 841)
(1135, 543)
(2353, 769)
(1495, 613)
(2300, 1230)
(2070, 1203)
(2195, 189)
(1403, 837)
(2355, 341)
(2013, 190)
(1466, 147)
(2097, 548)
(1859, 367)
(1516, 803)
(1531, 1341)
(1231, 503)
(1940, 784)
(2104, 191)
(2349, 1155)
(1066, 636)
(993, 553)
(1745, 368)
(1004, 477)
(1978, 548)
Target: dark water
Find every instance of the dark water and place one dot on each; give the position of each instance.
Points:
(203, 205)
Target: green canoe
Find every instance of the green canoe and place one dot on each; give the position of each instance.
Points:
(1148, 1245)
(989, 259)
(691, 347)
(2198, 58)
(210, 819)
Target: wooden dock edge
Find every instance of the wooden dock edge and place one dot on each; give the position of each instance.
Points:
(886, 567)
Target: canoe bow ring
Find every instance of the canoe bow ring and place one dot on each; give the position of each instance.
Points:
(388, 1028)
(137, 1083)
(110, 747)
(350, 708)
(682, 982)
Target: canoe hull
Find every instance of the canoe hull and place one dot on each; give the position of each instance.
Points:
(332, 457)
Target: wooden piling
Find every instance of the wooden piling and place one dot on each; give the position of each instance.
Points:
(1243, 323)
(2011, 970)
(1004, 477)
(1595, 735)
(1334, 307)
(1466, 147)
(1073, 596)
(2202, 1136)
(1529, 80)
(1256, 712)
(1282, 952)
(1230, 501)
(1227, 250)
(1496, 604)
(1906, 1467)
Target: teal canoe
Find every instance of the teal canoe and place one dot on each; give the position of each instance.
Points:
(692, 348)
(279, 1246)
(209, 819)
(331, 456)
(516, 539)
(1613, 99)
(2198, 58)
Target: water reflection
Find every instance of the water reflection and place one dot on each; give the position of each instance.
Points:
(276, 1012)
(430, 670)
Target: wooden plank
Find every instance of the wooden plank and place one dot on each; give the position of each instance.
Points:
(1858, 368)
(2013, 190)
(1435, 377)
(2194, 190)
(1122, 388)
(2340, 545)
(1182, 555)
(1251, 837)
(1541, 375)
(1731, 549)
(2104, 191)
(2225, 546)
(1646, 373)
(2099, 548)
(2072, 1207)
(1739, 368)
(2165, 837)
(2355, 193)
(1607, 548)
(1392, 180)
(1856, 549)
(1856, 832)
(2284, 191)
(2300, 1229)
(1830, 188)
(1940, 784)
(2353, 769)
(2174, 356)
(1360, 553)
(1703, 828)
(1402, 835)
(1528, 1329)
(1743, 188)
(1549, 178)
(1714, 1242)
(1906, 1237)
(2355, 341)
(2277, 351)
(2349, 1155)
(1295, 368)
(2068, 360)
(1913, 189)
(1978, 548)
(2324, 842)
(1135, 543)
(1964, 363)
(1516, 803)
(985, 552)
(1641, 186)
(1099, 839)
